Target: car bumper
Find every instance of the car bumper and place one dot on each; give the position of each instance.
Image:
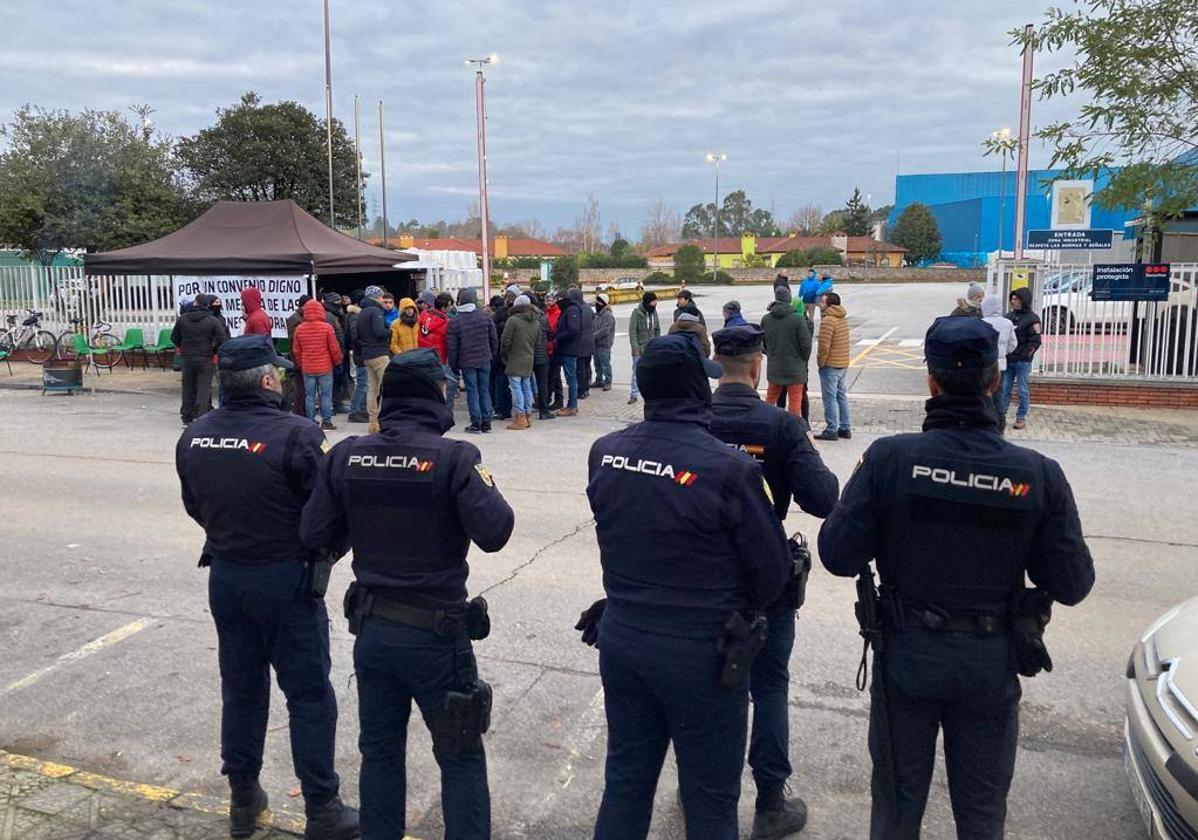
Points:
(1168, 810)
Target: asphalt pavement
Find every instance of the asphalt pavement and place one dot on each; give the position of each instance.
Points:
(887, 322)
(110, 654)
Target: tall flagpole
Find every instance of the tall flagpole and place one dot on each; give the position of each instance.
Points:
(328, 107)
(358, 155)
(383, 171)
(1025, 137)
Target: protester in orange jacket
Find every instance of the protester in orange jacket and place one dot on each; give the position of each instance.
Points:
(316, 352)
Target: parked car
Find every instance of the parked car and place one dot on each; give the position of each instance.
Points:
(1161, 733)
(1065, 305)
(624, 283)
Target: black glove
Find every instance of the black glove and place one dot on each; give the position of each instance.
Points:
(588, 622)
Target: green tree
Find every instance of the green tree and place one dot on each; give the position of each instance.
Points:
(917, 231)
(805, 258)
(620, 248)
(856, 215)
(1138, 64)
(563, 273)
(832, 223)
(90, 180)
(737, 217)
(260, 152)
(689, 264)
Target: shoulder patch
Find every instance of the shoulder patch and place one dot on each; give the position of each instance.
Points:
(485, 475)
(325, 446)
(768, 494)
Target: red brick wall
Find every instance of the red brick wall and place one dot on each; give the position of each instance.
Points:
(1143, 395)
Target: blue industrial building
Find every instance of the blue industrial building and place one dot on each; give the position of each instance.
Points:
(966, 206)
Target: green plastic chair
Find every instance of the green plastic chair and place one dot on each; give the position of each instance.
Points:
(134, 341)
(85, 351)
(4, 358)
(163, 346)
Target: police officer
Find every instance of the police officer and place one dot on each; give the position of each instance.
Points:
(246, 471)
(778, 441)
(955, 517)
(690, 546)
(409, 502)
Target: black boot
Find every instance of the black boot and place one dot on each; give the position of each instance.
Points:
(332, 821)
(772, 823)
(243, 817)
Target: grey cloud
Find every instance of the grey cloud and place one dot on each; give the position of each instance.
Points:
(620, 98)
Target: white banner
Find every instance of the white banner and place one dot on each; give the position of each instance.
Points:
(279, 295)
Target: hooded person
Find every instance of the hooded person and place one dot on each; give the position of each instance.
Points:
(787, 351)
(471, 344)
(405, 330)
(688, 323)
(567, 340)
(605, 336)
(374, 340)
(992, 315)
(317, 353)
(1019, 361)
(665, 608)
(257, 322)
(197, 334)
(408, 603)
(426, 300)
(517, 348)
(644, 325)
(501, 395)
(586, 348)
(732, 314)
(970, 306)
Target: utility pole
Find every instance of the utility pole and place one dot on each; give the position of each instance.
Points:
(1025, 132)
(328, 107)
(358, 155)
(383, 171)
(480, 116)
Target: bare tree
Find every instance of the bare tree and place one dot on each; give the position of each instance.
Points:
(588, 226)
(613, 233)
(526, 229)
(662, 225)
(566, 238)
(806, 220)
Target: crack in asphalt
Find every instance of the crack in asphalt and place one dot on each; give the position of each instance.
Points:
(1147, 540)
(575, 531)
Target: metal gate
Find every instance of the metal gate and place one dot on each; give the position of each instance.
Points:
(63, 293)
(1084, 337)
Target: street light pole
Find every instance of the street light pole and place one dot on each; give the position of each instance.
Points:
(715, 158)
(383, 171)
(358, 155)
(328, 108)
(480, 107)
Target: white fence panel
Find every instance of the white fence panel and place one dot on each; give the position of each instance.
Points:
(63, 294)
(1110, 339)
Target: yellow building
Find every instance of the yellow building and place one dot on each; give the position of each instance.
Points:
(748, 251)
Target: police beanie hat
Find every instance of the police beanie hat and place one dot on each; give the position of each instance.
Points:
(416, 374)
(956, 343)
(466, 296)
(673, 368)
(781, 294)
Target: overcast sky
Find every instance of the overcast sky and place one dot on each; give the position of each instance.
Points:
(620, 98)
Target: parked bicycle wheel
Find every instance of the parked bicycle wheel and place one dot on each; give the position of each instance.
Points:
(65, 347)
(39, 347)
(102, 352)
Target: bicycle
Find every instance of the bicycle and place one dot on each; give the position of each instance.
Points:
(28, 337)
(100, 343)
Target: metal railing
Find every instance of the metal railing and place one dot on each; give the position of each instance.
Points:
(64, 293)
(1108, 339)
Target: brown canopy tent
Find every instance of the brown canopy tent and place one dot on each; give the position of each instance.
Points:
(251, 238)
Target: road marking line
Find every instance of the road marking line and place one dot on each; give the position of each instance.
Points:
(869, 349)
(94, 646)
(911, 342)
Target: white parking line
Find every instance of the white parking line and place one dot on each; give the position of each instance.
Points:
(94, 646)
(911, 342)
(874, 342)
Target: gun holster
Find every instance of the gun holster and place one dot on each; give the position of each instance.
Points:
(742, 640)
(463, 717)
(796, 588)
(319, 572)
(478, 621)
(1030, 612)
(357, 604)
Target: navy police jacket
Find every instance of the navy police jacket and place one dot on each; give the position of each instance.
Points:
(778, 441)
(246, 471)
(956, 515)
(686, 532)
(408, 502)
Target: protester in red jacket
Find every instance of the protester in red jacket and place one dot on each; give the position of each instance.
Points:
(257, 322)
(434, 323)
(317, 351)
